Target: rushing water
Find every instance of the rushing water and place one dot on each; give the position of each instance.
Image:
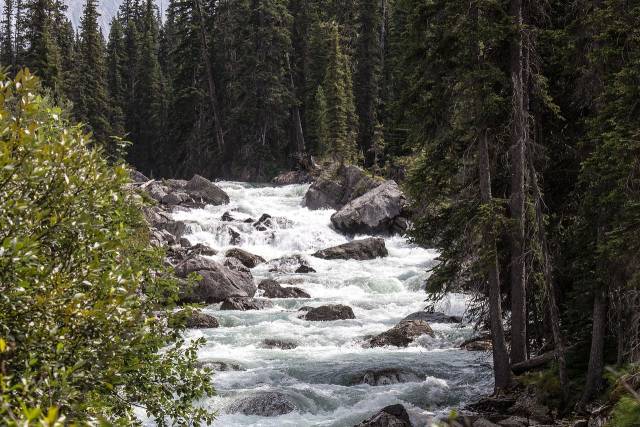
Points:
(318, 375)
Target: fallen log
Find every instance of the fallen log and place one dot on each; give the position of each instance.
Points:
(533, 363)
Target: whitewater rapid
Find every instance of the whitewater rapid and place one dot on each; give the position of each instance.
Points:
(318, 374)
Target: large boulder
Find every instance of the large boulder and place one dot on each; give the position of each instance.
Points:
(326, 313)
(337, 187)
(435, 317)
(263, 404)
(402, 334)
(377, 211)
(205, 192)
(279, 343)
(273, 289)
(245, 304)
(248, 259)
(364, 249)
(217, 283)
(391, 416)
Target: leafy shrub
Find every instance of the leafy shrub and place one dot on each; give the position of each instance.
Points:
(82, 294)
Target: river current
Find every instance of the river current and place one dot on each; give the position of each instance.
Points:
(321, 375)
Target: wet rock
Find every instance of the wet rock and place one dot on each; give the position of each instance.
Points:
(402, 334)
(290, 264)
(206, 191)
(385, 377)
(184, 242)
(264, 404)
(517, 422)
(161, 237)
(217, 282)
(364, 249)
(249, 221)
(235, 264)
(292, 177)
(248, 259)
(329, 312)
(391, 416)
(374, 212)
(198, 319)
(273, 289)
(220, 365)
(433, 317)
(278, 343)
(156, 190)
(235, 236)
(481, 343)
(245, 303)
(337, 187)
(201, 249)
(264, 223)
(172, 199)
(177, 228)
(227, 217)
(304, 269)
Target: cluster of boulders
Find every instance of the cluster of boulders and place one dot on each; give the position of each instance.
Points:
(364, 204)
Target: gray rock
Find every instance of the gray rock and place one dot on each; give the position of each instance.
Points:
(273, 289)
(175, 184)
(205, 191)
(264, 404)
(248, 259)
(402, 334)
(391, 416)
(244, 304)
(235, 264)
(202, 249)
(377, 377)
(364, 249)
(177, 228)
(329, 312)
(156, 190)
(217, 283)
(290, 264)
(433, 317)
(220, 365)
(198, 319)
(137, 176)
(227, 217)
(235, 236)
(483, 422)
(374, 212)
(172, 199)
(278, 343)
(337, 187)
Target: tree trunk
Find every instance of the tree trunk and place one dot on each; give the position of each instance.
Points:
(596, 355)
(549, 289)
(519, 137)
(297, 122)
(210, 80)
(501, 366)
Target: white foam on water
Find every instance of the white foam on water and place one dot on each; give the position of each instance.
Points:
(321, 374)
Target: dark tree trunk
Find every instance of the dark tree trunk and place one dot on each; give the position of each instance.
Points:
(596, 355)
(210, 80)
(501, 366)
(519, 137)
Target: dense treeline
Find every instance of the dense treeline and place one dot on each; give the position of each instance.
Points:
(518, 122)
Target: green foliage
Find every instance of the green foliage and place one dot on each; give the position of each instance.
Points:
(82, 294)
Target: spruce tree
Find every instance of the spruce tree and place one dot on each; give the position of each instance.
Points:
(92, 106)
(115, 77)
(7, 54)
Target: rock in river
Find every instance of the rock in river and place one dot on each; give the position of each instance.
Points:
(248, 259)
(264, 404)
(338, 186)
(364, 249)
(391, 416)
(402, 334)
(329, 312)
(218, 282)
(376, 211)
(273, 289)
(244, 304)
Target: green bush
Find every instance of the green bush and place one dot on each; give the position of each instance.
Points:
(82, 294)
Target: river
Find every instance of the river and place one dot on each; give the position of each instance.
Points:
(322, 375)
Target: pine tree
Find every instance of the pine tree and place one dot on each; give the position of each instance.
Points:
(7, 54)
(92, 106)
(318, 124)
(115, 77)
